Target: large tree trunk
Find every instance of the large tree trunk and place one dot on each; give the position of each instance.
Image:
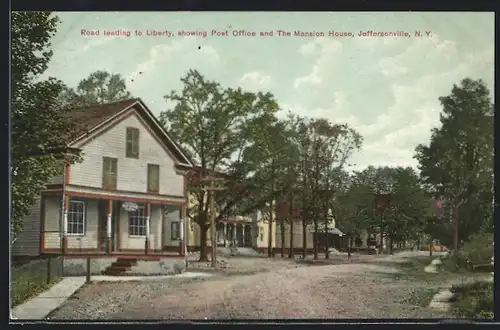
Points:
(349, 246)
(282, 230)
(327, 250)
(203, 242)
(315, 240)
(270, 231)
(304, 238)
(381, 240)
(455, 234)
(290, 250)
(290, 222)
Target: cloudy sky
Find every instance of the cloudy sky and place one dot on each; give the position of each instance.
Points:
(387, 88)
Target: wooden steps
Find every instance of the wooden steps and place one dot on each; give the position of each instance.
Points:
(120, 267)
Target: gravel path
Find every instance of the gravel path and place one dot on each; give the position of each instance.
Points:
(286, 290)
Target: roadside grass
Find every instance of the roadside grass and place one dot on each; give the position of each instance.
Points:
(474, 300)
(412, 269)
(24, 289)
(421, 296)
(425, 285)
(29, 280)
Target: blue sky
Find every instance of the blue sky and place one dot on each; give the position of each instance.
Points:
(385, 87)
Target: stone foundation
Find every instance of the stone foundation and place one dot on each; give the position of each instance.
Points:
(78, 267)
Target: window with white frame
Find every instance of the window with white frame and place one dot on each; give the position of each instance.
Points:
(76, 218)
(137, 222)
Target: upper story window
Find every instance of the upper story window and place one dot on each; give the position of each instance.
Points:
(109, 172)
(153, 178)
(132, 145)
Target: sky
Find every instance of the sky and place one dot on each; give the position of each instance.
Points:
(384, 86)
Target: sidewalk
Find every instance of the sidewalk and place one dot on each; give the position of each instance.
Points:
(40, 306)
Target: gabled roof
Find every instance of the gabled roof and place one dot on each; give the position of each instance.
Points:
(86, 118)
(89, 119)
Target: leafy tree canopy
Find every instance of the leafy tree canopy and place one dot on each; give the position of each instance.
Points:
(216, 126)
(37, 127)
(457, 164)
(98, 88)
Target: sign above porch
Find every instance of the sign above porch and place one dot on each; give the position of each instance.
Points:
(130, 206)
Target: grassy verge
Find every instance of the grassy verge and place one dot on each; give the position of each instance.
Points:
(30, 279)
(421, 296)
(473, 300)
(413, 269)
(425, 285)
(25, 288)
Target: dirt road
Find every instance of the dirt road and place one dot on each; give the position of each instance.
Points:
(333, 291)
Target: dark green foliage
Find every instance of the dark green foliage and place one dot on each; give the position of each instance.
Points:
(473, 301)
(478, 250)
(32, 278)
(457, 165)
(219, 128)
(98, 88)
(38, 128)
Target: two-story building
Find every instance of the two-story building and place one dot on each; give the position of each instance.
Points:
(127, 196)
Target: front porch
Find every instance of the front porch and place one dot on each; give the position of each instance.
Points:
(101, 228)
(234, 234)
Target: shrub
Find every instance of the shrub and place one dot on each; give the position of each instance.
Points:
(473, 300)
(455, 261)
(478, 249)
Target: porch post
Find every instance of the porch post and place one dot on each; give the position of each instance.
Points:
(243, 235)
(225, 233)
(108, 226)
(234, 235)
(148, 214)
(65, 225)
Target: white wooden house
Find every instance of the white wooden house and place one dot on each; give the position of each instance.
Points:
(127, 196)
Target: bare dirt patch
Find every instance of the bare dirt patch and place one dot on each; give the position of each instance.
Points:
(277, 289)
(242, 265)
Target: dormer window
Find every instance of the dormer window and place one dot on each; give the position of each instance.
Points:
(132, 145)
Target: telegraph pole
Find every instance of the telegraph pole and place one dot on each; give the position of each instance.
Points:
(211, 189)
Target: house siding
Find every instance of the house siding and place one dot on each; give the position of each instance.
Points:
(156, 227)
(53, 220)
(263, 234)
(90, 239)
(132, 173)
(28, 241)
(297, 236)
